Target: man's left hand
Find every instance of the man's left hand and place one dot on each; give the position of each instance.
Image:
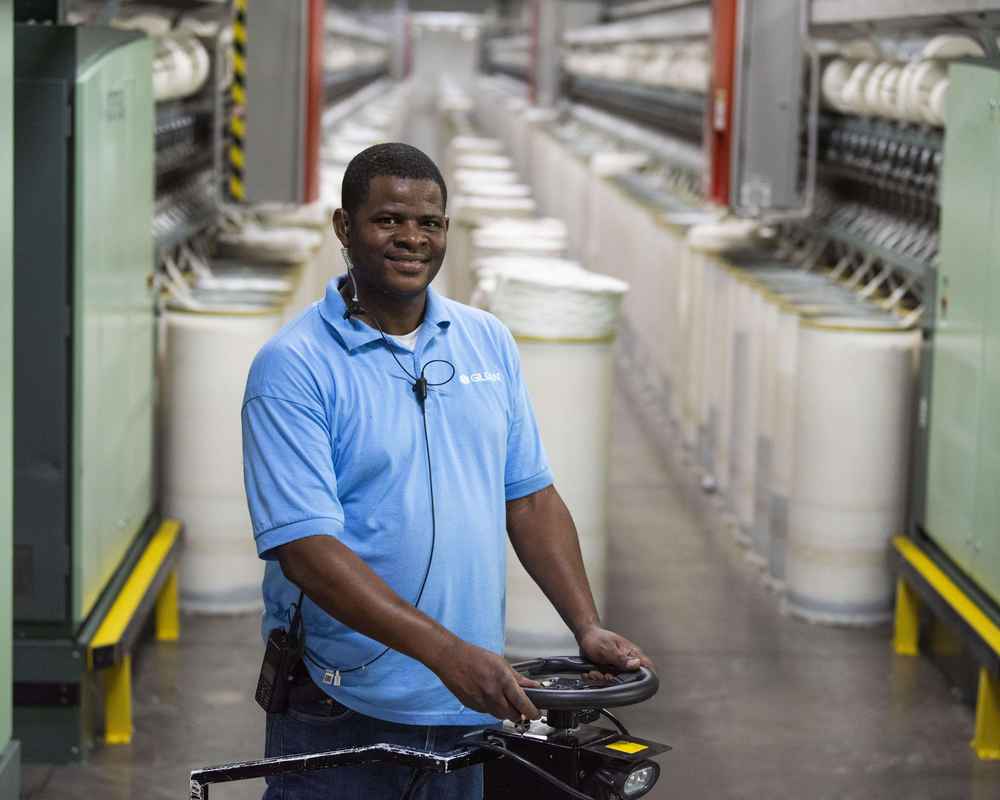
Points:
(607, 648)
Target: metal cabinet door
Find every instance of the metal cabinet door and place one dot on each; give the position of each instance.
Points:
(984, 563)
(968, 252)
(113, 309)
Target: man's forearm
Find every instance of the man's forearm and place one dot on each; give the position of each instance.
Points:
(544, 537)
(339, 582)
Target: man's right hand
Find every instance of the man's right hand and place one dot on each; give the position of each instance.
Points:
(484, 682)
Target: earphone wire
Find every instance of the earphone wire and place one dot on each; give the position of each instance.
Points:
(420, 386)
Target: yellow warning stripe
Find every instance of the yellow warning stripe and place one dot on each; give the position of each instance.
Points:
(236, 188)
(950, 592)
(237, 124)
(132, 593)
(239, 95)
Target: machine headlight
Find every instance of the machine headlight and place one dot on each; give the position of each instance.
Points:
(631, 781)
(640, 780)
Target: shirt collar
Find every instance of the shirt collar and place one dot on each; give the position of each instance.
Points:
(356, 334)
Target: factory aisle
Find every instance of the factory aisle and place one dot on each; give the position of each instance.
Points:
(756, 705)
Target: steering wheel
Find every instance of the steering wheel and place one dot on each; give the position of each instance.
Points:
(566, 687)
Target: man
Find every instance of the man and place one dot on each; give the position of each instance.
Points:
(380, 488)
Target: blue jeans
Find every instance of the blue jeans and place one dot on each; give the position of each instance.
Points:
(314, 723)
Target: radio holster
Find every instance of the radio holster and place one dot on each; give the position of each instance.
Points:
(282, 652)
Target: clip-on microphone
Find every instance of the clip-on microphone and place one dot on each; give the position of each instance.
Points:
(354, 309)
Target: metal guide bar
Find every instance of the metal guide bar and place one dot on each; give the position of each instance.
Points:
(518, 73)
(341, 110)
(643, 7)
(672, 151)
(680, 113)
(841, 12)
(337, 85)
(682, 22)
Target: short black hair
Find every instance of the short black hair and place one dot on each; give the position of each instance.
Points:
(393, 160)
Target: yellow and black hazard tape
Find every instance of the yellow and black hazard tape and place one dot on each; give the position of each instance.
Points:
(237, 123)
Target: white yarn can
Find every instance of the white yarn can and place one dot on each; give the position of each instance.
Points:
(484, 162)
(788, 295)
(690, 321)
(610, 206)
(564, 324)
(545, 159)
(716, 374)
(469, 212)
(767, 380)
(489, 271)
(521, 149)
(655, 284)
(710, 360)
(208, 355)
(461, 146)
(490, 241)
(669, 248)
(743, 400)
(571, 196)
(856, 384)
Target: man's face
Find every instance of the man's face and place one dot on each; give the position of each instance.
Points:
(397, 239)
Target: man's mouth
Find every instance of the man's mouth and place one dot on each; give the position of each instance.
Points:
(407, 263)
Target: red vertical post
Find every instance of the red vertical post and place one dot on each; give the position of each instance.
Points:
(314, 97)
(719, 119)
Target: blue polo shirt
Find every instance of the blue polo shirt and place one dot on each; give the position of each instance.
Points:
(333, 445)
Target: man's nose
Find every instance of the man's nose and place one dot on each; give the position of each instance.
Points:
(410, 234)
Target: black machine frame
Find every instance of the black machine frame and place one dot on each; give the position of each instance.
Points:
(563, 757)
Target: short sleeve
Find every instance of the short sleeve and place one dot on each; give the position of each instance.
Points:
(288, 472)
(527, 470)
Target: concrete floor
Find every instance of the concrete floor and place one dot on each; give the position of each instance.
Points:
(756, 704)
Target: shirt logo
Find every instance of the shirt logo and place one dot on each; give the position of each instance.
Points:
(480, 377)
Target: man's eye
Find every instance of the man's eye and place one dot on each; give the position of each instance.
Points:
(432, 223)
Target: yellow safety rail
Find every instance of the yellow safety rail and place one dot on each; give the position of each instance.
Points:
(986, 741)
(105, 650)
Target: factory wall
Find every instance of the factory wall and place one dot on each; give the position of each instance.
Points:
(8, 758)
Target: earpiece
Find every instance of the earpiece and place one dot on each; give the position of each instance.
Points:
(354, 307)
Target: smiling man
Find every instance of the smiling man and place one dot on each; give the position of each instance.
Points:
(380, 488)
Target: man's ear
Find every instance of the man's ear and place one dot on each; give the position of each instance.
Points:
(342, 227)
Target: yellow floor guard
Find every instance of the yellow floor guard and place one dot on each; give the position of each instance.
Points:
(118, 678)
(986, 741)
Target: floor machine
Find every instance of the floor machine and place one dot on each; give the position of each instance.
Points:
(563, 755)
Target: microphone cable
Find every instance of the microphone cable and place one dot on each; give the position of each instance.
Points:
(421, 387)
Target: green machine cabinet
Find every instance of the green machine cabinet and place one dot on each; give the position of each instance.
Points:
(84, 354)
(9, 757)
(962, 497)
